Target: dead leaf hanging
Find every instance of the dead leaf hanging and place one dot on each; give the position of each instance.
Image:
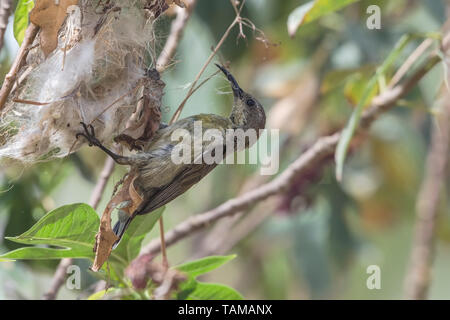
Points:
(179, 3)
(50, 15)
(105, 237)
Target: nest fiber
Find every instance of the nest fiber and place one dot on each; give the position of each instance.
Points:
(96, 75)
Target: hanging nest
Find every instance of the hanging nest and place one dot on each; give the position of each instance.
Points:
(100, 73)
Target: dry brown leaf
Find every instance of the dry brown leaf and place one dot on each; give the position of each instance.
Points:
(179, 3)
(145, 121)
(50, 15)
(105, 238)
(135, 198)
(140, 127)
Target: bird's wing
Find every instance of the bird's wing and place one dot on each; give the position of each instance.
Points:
(185, 180)
(189, 174)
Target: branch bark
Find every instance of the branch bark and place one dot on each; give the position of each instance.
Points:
(175, 35)
(220, 233)
(322, 148)
(418, 277)
(10, 78)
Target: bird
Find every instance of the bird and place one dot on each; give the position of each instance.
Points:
(161, 180)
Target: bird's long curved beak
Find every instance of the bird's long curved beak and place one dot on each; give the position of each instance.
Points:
(237, 91)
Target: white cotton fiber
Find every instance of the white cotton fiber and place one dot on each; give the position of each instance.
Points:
(95, 75)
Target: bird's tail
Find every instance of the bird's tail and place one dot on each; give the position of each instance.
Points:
(121, 226)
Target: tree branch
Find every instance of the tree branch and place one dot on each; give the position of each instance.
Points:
(97, 194)
(175, 35)
(10, 78)
(324, 147)
(418, 277)
(220, 233)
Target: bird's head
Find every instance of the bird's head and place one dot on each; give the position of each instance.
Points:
(247, 112)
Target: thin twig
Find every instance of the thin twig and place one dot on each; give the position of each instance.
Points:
(97, 193)
(165, 260)
(58, 279)
(237, 20)
(10, 78)
(418, 277)
(96, 196)
(5, 12)
(175, 35)
(410, 61)
(324, 147)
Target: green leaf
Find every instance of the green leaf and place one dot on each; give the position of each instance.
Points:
(100, 295)
(73, 223)
(194, 290)
(21, 18)
(97, 295)
(313, 10)
(131, 242)
(37, 253)
(353, 123)
(355, 88)
(204, 265)
(186, 288)
(213, 291)
(72, 227)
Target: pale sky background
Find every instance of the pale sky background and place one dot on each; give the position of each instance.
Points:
(11, 43)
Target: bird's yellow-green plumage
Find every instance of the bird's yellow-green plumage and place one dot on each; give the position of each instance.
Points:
(157, 166)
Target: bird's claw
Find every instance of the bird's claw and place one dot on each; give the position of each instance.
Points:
(88, 134)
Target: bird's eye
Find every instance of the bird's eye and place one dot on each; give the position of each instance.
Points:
(250, 102)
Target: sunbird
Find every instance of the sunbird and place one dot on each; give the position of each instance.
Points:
(160, 179)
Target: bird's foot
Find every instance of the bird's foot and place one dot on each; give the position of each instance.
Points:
(89, 135)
